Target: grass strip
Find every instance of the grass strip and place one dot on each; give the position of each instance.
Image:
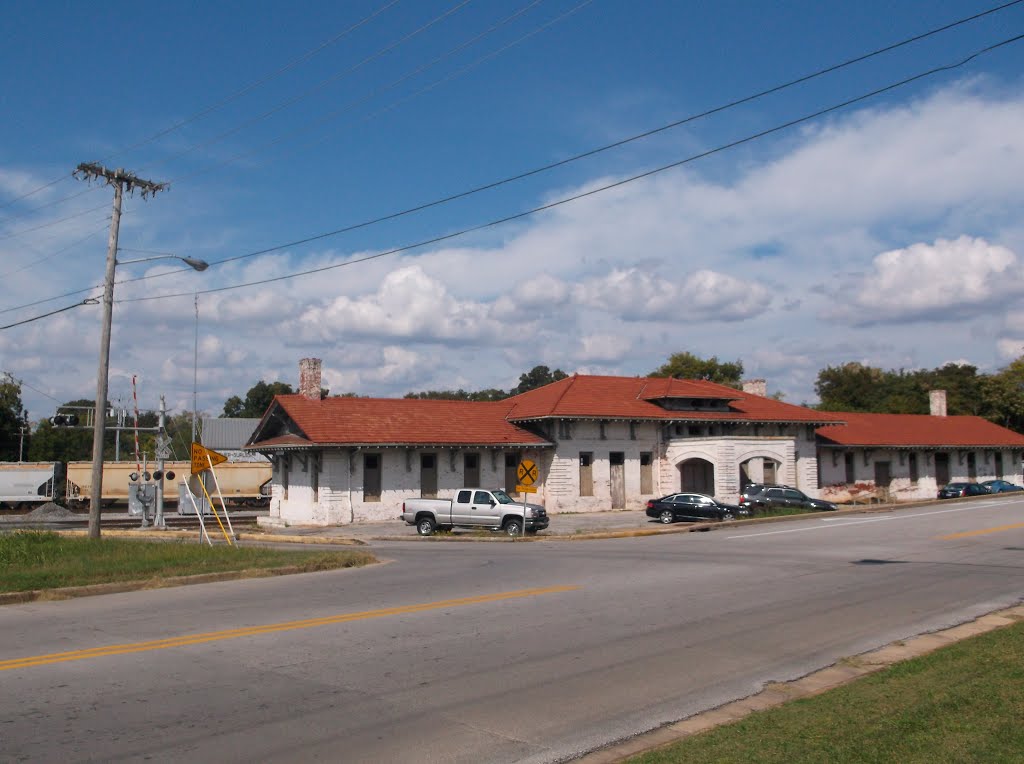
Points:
(31, 560)
(961, 703)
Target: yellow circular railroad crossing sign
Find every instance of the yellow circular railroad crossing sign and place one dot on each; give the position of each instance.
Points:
(527, 472)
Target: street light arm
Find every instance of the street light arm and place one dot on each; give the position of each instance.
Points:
(192, 262)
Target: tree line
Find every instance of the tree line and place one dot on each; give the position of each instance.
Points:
(853, 386)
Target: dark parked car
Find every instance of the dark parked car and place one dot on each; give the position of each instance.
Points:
(692, 506)
(1001, 486)
(956, 490)
(761, 497)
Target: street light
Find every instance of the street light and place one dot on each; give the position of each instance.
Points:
(99, 418)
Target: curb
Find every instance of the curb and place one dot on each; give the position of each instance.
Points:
(776, 694)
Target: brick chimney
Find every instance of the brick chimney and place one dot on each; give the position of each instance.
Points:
(937, 402)
(755, 387)
(309, 378)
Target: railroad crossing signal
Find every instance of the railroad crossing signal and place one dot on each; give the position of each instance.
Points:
(527, 472)
(203, 458)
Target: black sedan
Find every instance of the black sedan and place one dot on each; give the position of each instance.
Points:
(692, 506)
(957, 490)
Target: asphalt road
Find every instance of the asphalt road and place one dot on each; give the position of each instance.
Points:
(489, 652)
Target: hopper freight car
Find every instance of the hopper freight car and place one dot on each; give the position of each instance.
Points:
(24, 485)
(245, 483)
(27, 484)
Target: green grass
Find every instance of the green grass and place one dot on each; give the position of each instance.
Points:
(32, 560)
(963, 703)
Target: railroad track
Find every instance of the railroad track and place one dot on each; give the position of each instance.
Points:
(120, 522)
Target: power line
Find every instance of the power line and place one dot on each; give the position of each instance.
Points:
(390, 86)
(262, 81)
(319, 86)
(223, 102)
(44, 258)
(89, 301)
(592, 192)
(23, 383)
(52, 222)
(582, 155)
(632, 138)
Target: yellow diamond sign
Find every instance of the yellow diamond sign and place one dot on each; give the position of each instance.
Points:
(203, 458)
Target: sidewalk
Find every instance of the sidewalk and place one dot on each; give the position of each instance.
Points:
(562, 525)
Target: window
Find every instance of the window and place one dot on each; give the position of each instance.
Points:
(601, 428)
(632, 430)
(586, 474)
(481, 497)
(564, 429)
(371, 477)
(463, 497)
(646, 473)
(769, 471)
(972, 465)
(999, 464)
(912, 467)
(314, 476)
(848, 458)
(286, 463)
(471, 469)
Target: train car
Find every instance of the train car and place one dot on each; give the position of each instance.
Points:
(26, 484)
(245, 483)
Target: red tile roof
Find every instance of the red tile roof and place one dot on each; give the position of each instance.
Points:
(918, 430)
(595, 397)
(400, 421)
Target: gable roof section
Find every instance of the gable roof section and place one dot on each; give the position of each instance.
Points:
(227, 433)
(394, 421)
(596, 397)
(906, 430)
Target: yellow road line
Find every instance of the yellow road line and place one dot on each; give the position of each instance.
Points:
(215, 636)
(967, 534)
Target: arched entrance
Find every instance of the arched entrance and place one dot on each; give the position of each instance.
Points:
(760, 469)
(698, 476)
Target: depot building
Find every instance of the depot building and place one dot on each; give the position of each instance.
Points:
(599, 443)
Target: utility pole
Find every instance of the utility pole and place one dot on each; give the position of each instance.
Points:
(122, 181)
(162, 452)
(195, 370)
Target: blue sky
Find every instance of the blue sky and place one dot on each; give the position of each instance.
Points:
(889, 232)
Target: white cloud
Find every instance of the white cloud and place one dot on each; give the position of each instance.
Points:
(944, 281)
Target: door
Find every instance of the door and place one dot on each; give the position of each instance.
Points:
(698, 476)
(617, 481)
(482, 511)
(883, 475)
(511, 477)
(471, 469)
(462, 512)
(428, 476)
(941, 469)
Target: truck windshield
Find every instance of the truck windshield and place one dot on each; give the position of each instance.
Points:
(502, 497)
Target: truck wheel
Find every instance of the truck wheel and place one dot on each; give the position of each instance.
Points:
(514, 527)
(425, 526)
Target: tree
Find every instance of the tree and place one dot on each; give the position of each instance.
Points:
(536, 377)
(69, 444)
(856, 387)
(257, 400)
(12, 420)
(686, 365)
(1002, 396)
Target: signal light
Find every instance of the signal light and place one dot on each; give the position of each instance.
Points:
(160, 475)
(64, 420)
(169, 475)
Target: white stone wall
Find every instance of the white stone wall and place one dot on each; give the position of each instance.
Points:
(562, 480)
(832, 465)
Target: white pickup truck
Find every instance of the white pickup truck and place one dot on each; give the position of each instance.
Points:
(474, 508)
